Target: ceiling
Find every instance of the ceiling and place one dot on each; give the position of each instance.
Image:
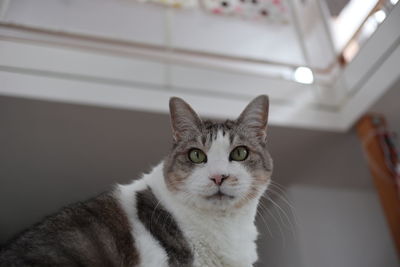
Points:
(133, 55)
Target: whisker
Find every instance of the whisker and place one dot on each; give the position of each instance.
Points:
(291, 226)
(264, 222)
(286, 201)
(282, 194)
(276, 221)
(152, 214)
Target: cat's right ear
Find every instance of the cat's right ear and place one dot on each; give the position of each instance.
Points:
(184, 120)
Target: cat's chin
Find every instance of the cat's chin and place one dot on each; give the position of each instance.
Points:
(212, 203)
(220, 196)
(218, 201)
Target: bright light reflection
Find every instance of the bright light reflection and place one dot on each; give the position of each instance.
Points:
(303, 75)
(369, 27)
(393, 2)
(380, 16)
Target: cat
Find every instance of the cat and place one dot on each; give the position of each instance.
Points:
(196, 208)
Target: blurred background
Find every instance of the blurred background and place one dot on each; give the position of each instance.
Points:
(84, 89)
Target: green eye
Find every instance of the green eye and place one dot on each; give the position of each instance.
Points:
(197, 156)
(239, 153)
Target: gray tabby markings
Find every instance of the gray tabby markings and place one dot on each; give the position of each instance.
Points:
(92, 233)
(160, 223)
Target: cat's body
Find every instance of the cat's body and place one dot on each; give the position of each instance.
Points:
(196, 208)
(92, 233)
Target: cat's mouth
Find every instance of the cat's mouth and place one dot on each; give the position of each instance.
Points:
(219, 195)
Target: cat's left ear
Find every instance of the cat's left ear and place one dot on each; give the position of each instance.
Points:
(184, 120)
(255, 116)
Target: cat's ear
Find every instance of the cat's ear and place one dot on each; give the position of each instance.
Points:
(255, 116)
(183, 119)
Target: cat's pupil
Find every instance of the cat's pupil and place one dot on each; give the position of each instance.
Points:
(197, 156)
(239, 153)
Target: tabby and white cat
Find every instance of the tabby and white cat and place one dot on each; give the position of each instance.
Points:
(196, 208)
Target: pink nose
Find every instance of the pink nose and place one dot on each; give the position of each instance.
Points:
(218, 179)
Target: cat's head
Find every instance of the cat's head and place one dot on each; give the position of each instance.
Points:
(218, 166)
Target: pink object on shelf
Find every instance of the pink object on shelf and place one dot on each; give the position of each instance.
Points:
(257, 10)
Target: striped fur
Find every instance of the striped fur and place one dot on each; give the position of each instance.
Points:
(93, 233)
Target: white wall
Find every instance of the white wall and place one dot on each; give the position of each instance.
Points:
(339, 220)
(341, 227)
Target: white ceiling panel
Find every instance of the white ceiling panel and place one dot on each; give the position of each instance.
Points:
(126, 54)
(196, 30)
(120, 19)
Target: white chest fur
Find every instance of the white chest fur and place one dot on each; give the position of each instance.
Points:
(228, 242)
